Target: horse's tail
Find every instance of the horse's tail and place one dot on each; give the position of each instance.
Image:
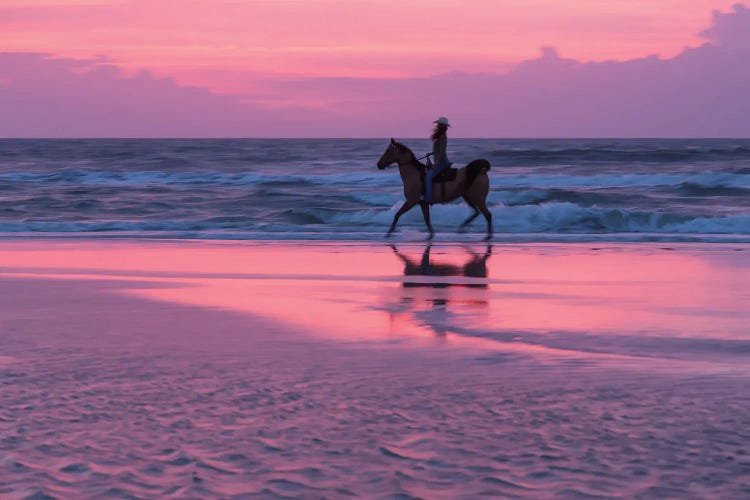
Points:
(475, 168)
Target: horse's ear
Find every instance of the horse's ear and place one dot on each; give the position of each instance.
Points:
(393, 141)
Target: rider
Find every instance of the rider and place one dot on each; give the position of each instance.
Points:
(440, 156)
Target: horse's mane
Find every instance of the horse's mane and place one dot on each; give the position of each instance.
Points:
(412, 158)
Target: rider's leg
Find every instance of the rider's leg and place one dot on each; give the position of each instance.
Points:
(428, 185)
(431, 174)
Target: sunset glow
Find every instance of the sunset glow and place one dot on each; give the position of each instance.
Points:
(228, 45)
(367, 68)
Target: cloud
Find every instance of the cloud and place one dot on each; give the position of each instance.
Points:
(47, 97)
(703, 91)
(730, 29)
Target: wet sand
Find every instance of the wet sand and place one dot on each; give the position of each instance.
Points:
(221, 369)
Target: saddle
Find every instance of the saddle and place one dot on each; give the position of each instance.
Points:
(447, 175)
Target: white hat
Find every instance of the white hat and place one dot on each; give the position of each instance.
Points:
(442, 121)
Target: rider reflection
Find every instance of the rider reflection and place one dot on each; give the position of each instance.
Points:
(435, 293)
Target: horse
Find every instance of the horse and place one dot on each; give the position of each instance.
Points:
(471, 183)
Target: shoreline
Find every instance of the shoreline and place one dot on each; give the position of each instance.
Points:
(382, 241)
(406, 236)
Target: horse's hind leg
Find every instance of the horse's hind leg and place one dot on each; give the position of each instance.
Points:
(408, 205)
(487, 215)
(471, 217)
(426, 213)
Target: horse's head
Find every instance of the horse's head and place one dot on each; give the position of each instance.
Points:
(394, 153)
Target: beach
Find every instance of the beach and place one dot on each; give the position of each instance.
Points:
(319, 250)
(234, 369)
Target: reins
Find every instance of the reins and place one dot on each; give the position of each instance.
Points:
(415, 160)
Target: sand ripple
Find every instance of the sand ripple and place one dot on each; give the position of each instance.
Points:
(140, 426)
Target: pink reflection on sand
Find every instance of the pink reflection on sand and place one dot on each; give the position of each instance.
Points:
(163, 257)
(642, 291)
(375, 292)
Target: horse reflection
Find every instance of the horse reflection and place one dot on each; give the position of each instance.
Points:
(475, 267)
(434, 302)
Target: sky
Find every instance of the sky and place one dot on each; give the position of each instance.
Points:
(372, 68)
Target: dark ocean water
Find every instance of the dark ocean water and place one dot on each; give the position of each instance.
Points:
(671, 190)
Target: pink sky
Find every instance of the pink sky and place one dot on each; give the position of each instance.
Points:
(295, 59)
(227, 44)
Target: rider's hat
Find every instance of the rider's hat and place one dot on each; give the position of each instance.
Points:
(442, 121)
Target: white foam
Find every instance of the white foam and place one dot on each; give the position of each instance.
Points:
(706, 179)
(357, 178)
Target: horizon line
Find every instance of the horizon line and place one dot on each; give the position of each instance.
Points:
(304, 138)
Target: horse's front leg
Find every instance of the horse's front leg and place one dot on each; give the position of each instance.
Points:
(426, 213)
(408, 205)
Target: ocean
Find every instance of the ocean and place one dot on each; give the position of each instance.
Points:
(330, 189)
